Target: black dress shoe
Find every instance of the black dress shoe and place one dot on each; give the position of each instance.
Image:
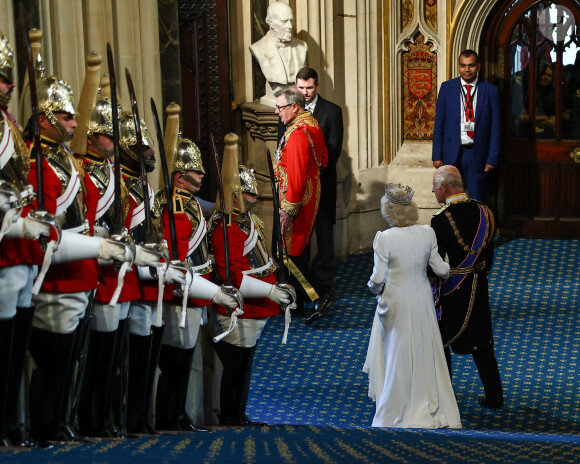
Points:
(321, 306)
(492, 403)
(186, 425)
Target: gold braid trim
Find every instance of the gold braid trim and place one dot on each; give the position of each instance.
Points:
(469, 310)
(459, 238)
(307, 286)
(291, 208)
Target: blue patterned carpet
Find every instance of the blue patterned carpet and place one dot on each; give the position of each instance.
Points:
(314, 393)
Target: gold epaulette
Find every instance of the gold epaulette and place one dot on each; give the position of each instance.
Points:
(213, 222)
(243, 221)
(304, 118)
(159, 204)
(442, 209)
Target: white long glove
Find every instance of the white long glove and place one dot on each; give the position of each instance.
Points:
(26, 227)
(256, 288)
(205, 290)
(78, 247)
(175, 275)
(144, 257)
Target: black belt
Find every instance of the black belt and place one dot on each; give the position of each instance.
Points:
(467, 145)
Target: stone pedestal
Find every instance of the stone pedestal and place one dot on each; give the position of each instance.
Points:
(261, 124)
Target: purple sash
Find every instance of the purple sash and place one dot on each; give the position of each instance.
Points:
(455, 280)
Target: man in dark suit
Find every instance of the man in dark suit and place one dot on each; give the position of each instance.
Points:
(467, 126)
(329, 116)
(464, 230)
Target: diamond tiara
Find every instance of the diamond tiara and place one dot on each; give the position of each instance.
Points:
(400, 198)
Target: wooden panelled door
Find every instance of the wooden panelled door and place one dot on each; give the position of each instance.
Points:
(535, 49)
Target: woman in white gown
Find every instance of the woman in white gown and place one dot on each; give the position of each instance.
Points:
(408, 376)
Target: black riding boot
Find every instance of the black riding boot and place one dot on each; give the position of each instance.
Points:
(119, 386)
(157, 333)
(231, 357)
(53, 354)
(139, 356)
(76, 374)
(175, 366)
(22, 327)
(6, 336)
(95, 401)
(248, 362)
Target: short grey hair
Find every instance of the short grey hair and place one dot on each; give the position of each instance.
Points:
(292, 95)
(442, 176)
(397, 214)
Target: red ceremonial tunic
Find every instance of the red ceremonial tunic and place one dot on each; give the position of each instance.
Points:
(184, 230)
(302, 153)
(76, 276)
(253, 307)
(108, 285)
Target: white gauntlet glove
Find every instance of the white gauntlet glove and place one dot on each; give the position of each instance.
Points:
(224, 299)
(144, 257)
(28, 228)
(113, 250)
(277, 295)
(175, 275)
(256, 288)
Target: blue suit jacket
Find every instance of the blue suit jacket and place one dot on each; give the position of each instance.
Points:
(447, 136)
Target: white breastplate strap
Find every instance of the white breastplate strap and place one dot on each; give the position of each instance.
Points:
(252, 239)
(107, 198)
(6, 144)
(139, 212)
(66, 199)
(197, 236)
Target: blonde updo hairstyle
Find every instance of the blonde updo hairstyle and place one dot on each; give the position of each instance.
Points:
(398, 208)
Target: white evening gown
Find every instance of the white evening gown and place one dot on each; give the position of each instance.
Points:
(408, 376)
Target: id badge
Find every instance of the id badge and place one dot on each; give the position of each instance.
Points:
(469, 126)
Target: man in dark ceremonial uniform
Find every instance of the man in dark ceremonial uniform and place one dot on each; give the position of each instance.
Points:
(465, 229)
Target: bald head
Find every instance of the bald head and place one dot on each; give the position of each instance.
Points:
(446, 182)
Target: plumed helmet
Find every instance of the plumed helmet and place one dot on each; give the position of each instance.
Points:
(187, 157)
(248, 180)
(54, 95)
(101, 121)
(6, 59)
(128, 136)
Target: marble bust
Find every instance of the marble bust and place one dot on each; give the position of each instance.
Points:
(279, 55)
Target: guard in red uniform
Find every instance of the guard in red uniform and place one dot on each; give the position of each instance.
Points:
(16, 275)
(67, 289)
(299, 157)
(252, 271)
(177, 350)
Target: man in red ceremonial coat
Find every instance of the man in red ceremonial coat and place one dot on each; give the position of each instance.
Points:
(300, 155)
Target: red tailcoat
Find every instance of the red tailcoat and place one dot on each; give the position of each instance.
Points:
(302, 153)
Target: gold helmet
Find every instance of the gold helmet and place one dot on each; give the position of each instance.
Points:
(101, 122)
(55, 96)
(6, 59)
(187, 157)
(128, 135)
(6, 66)
(248, 180)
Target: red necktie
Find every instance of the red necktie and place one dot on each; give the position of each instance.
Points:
(469, 114)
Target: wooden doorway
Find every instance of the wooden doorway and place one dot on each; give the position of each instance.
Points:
(532, 52)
